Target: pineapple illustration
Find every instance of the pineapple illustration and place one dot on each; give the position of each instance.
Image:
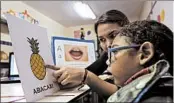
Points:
(36, 61)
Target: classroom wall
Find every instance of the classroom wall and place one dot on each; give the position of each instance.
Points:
(69, 32)
(53, 28)
(157, 12)
(163, 12)
(145, 10)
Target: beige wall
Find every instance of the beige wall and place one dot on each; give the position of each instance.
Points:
(53, 28)
(69, 32)
(146, 10)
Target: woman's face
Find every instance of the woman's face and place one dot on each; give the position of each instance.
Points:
(105, 36)
(124, 63)
(76, 53)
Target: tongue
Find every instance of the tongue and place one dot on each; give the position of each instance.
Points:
(76, 53)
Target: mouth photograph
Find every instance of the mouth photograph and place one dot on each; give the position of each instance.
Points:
(76, 53)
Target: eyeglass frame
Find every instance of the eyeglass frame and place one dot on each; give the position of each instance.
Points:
(116, 49)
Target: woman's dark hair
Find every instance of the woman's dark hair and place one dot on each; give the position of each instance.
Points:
(156, 33)
(112, 16)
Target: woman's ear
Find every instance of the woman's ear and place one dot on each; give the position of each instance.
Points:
(146, 52)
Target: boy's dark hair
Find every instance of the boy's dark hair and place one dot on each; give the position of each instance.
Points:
(156, 33)
(112, 16)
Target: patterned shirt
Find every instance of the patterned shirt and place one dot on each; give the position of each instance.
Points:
(134, 86)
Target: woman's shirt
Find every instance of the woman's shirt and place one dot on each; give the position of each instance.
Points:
(99, 66)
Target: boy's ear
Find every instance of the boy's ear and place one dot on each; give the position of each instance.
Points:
(146, 52)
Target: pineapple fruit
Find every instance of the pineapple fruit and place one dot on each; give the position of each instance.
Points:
(36, 61)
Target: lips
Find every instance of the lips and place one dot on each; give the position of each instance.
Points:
(76, 53)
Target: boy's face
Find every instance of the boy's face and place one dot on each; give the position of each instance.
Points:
(104, 35)
(124, 63)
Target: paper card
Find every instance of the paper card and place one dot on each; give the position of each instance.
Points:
(73, 52)
(32, 51)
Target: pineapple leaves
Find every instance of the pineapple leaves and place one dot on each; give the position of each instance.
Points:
(34, 45)
(37, 43)
(29, 40)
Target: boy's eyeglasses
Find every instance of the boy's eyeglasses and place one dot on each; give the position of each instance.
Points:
(113, 51)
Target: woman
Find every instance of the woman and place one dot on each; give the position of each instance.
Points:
(111, 21)
(146, 47)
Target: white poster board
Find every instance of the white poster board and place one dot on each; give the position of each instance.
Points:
(73, 52)
(35, 78)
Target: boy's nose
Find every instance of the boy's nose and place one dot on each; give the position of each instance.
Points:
(109, 69)
(107, 62)
(109, 43)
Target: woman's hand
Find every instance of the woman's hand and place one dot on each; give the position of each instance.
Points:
(67, 76)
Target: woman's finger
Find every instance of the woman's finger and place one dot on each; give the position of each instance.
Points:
(52, 67)
(62, 77)
(65, 81)
(58, 73)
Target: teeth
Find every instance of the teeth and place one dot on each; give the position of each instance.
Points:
(76, 49)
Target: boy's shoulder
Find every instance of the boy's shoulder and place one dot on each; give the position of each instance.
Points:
(161, 91)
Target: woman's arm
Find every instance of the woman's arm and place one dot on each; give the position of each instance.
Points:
(100, 86)
(71, 77)
(99, 66)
